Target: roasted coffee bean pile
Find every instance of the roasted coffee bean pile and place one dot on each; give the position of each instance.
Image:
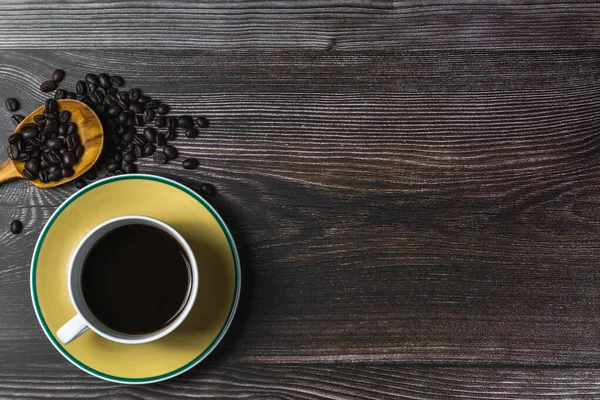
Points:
(49, 147)
(135, 126)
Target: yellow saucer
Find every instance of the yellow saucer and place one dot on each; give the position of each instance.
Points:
(218, 267)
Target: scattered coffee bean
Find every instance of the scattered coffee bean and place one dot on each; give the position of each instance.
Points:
(91, 175)
(160, 122)
(129, 157)
(117, 80)
(67, 171)
(11, 104)
(48, 86)
(171, 152)
(138, 151)
(191, 132)
(81, 88)
(171, 122)
(171, 134)
(144, 99)
(71, 95)
(109, 174)
(160, 158)
(58, 75)
(80, 183)
(149, 115)
(149, 149)
(136, 108)
(185, 121)
(202, 122)
(152, 104)
(113, 166)
(190, 163)
(105, 81)
(129, 168)
(139, 120)
(162, 109)
(150, 135)
(207, 189)
(16, 119)
(60, 94)
(139, 140)
(92, 78)
(16, 227)
(91, 87)
(161, 139)
(118, 157)
(134, 94)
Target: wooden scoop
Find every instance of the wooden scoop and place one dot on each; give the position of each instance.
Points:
(89, 129)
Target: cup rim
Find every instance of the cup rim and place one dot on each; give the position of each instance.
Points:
(191, 297)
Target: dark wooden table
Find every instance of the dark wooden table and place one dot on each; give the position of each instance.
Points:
(414, 188)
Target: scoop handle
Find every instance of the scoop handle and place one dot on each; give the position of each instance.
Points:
(8, 172)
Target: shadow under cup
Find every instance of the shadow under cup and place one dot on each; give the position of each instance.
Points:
(78, 293)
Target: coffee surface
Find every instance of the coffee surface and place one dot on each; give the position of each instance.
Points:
(136, 279)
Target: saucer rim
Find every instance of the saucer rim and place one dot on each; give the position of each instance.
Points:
(205, 352)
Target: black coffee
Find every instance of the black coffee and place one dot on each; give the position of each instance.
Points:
(136, 279)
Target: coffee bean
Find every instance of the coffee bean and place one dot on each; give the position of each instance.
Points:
(171, 122)
(149, 149)
(24, 157)
(150, 135)
(55, 144)
(105, 81)
(114, 111)
(29, 131)
(139, 120)
(109, 174)
(207, 189)
(190, 163)
(127, 138)
(58, 75)
(69, 159)
(16, 119)
(152, 104)
(149, 115)
(43, 175)
(49, 114)
(63, 129)
(171, 152)
(81, 88)
(60, 94)
(118, 157)
(97, 97)
(51, 105)
(129, 168)
(160, 158)
(67, 171)
(185, 121)
(39, 119)
(72, 128)
(191, 132)
(71, 95)
(118, 172)
(14, 138)
(129, 157)
(134, 94)
(51, 126)
(79, 151)
(92, 78)
(139, 140)
(47, 86)
(83, 98)
(54, 169)
(162, 109)
(161, 139)
(113, 166)
(72, 141)
(91, 175)
(80, 183)
(54, 157)
(16, 227)
(124, 97)
(33, 165)
(91, 88)
(27, 174)
(160, 122)
(122, 117)
(202, 122)
(13, 152)
(171, 134)
(144, 99)
(117, 80)
(35, 143)
(55, 176)
(11, 104)
(64, 116)
(111, 93)
(138, 151)
(136, 107)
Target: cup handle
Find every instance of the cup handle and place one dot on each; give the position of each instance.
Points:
(72, 329)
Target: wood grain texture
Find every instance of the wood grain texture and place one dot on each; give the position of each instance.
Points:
(402, 215)
(312, 381)
(300, 24)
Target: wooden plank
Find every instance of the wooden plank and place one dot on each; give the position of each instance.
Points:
(310, 381)
(406, 215)
(298, 24)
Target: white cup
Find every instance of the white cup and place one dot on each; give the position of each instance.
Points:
(84, 319)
